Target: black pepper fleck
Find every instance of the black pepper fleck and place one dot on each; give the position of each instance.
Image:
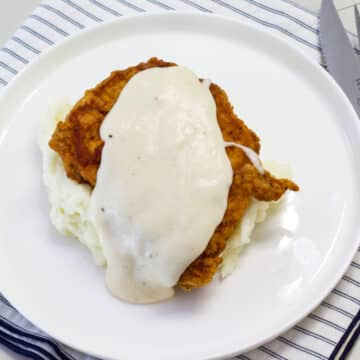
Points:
(110, 136)
(102, 209)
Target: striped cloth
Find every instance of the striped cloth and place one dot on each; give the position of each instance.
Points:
(329, 330)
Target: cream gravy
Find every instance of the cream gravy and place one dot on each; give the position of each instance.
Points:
(163, 182)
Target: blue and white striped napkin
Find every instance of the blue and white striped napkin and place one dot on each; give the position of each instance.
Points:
(327, 333)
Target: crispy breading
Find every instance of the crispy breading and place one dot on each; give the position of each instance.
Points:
(77, 141)
(247, 183)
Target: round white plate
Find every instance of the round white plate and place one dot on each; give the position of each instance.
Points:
(296, 257)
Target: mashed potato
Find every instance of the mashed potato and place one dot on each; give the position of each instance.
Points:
(70, 203)
(256, 213)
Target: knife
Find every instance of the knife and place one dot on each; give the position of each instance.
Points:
(357, 22)
(338, 53)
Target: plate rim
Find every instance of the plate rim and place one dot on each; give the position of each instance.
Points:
(67, 42)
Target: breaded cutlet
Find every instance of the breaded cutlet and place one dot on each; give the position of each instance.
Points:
(77, 141)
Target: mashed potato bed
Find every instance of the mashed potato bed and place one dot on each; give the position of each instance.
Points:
(70, 203)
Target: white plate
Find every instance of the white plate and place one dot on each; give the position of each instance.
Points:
(297, 256)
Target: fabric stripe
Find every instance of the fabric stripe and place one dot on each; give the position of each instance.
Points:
(351, 281)
(4, 82)
(2, 299)
(351, 344)
(20, 332)
(283, 14)
(346, 296)
(82, 10)
(28, 345)
(242, 357)
(62, 15)
(336, 308)
(131, 6)
(18, 349)
(105, 8)
(300, 7)
(160, 4)
(8, 68)
(37, 35)
(25, 45)
(302, 348)
(340, 344)
(15, 55)
(355, 265)
(49, 24)
(266, 23)
(271, 353)
(326, 322)
(195, 5)
(314, 335)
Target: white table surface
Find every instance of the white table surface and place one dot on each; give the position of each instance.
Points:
(17, 11)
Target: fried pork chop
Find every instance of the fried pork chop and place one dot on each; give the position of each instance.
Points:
(77, 141)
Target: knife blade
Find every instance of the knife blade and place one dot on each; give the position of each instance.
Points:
(357, 22)
(339, 55)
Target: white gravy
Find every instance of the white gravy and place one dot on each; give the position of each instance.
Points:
(163, 182)
(251, 155)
